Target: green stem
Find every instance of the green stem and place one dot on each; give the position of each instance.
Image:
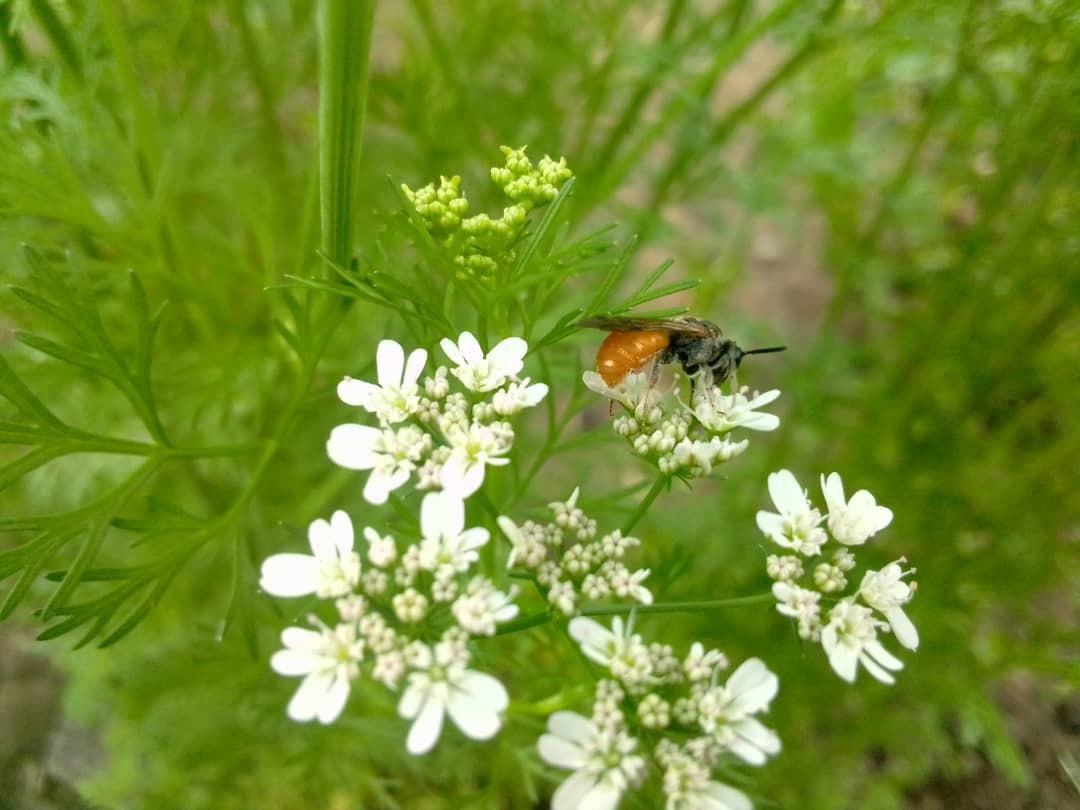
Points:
(343, 79)
(679, 607)
(524, 623)
(659, 486)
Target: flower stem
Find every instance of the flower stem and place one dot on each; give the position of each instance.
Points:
(650, 496)
(679, 607)
(524, 623)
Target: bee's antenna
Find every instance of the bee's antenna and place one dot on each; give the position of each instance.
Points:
(769, 350)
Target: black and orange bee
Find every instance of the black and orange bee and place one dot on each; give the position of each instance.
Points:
(698, 346)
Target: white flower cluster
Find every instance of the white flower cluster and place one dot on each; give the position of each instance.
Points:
(686, 441)
(447, 439)
(405, 617)
(656, 706)
(570, 561)
(849, 631)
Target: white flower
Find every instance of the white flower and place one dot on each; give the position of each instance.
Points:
(618, 649)
(627, 584)
(886, 592)
(602, 761)
(473, 699)
(482, 606)
(397, 396)
(390, 454)
(797, 526)
(517, 397)
(480, 372)
(850, 639)
(688, 787)
(447, 543)
(801, 604)
(471, 450)
(727, 712)
(721, 413)
(381, 550)
(635, 389)
(700, 665)
(333, 568)
(854, 521)
(699, 456)
(328, 660)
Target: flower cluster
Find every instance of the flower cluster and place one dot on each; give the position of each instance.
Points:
(571, 562)
(688, 441)
(479, 243)
(656, 706)
(404, 617)
(849, 631)
(447, 439)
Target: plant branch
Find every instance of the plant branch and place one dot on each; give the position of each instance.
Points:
(658, 486)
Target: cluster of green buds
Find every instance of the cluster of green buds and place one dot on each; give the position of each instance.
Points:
(480, 244)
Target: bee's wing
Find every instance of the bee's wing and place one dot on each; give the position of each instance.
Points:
(617, 324)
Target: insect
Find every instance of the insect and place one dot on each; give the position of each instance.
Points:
(698, 346)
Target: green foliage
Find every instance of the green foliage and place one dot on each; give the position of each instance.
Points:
(891, 187)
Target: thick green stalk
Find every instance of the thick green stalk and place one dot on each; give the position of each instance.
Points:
(343, 78)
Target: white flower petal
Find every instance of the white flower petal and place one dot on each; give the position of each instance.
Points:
(390, 360)
(725, 797)
(603, 796)
(411, 701)
(753, 685)
(441, 515)
(462, 477)
(902, 627)
(300, 638)
(882, 656)
(450, 349)
(334, 701)
(295, 662)
(833, 490)
(321, 539)
(357, 392)
(414, 367)
(381, 483)
(877, 671)
(485, 689)
(559, 752)
(470, 348)
(309, 698)
(474, 538)
(571, 726)
(425, 728)
(352, 446)
(342, 531)
(758, 735)
(509, 354)
(786, 493)
(842, 658)
(593, 637)
(574, 791)
(289, 574)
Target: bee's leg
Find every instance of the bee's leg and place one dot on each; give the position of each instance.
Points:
(666, 356)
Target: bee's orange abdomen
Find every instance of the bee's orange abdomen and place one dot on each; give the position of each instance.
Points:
(623, 352)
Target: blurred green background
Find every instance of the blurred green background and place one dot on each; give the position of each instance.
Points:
(890, 188)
